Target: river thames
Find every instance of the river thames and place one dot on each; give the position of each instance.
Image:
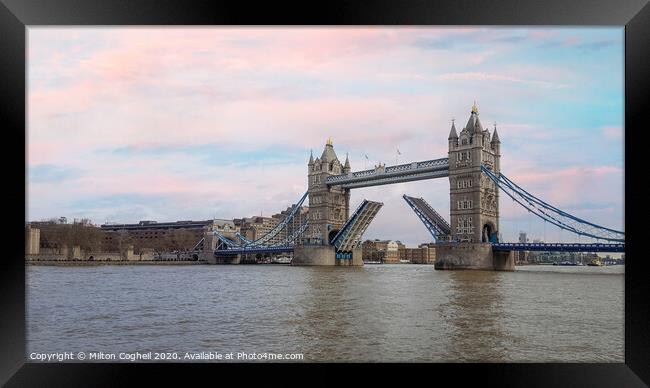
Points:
(376, 313)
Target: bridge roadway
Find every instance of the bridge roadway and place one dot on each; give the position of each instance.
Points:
(545, 247)
(435, 224)
(428, 169)
(261, 249)
(559, 247)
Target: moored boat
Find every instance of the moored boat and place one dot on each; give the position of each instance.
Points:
(595, 263)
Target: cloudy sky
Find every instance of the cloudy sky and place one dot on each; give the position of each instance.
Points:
(129, 124)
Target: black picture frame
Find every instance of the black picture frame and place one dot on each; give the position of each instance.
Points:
(16, 15)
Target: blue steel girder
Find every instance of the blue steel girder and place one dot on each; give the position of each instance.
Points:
(559, 247)
(290, 239)
(435, 224)
(347, 224)
(349, 237)
(245, 250)
(550, 213)
(244, 240)
(224, 242)
(428, 169)
(280, 226)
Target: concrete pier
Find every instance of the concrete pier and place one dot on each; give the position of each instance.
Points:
(209, 244)
(473, 256)
(323, 255)
(231, 259)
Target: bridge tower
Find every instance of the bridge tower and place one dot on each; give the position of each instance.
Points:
(474, 198)
(329, 207)
(474, 201)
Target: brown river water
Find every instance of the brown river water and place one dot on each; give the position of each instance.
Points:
(377, 313)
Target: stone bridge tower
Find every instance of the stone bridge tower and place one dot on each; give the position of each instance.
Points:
(329, 207)
(474, 197)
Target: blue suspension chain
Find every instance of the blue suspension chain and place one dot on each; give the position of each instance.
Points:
(529, 224)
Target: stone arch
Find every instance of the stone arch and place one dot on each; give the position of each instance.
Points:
(332, 234)
(488, 232)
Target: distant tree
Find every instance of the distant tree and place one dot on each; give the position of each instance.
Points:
(58, 235)
(182, 240)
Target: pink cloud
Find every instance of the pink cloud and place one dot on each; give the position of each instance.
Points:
(573, 184)
(572, 41)
(542, 34)
(371, 89)
(613, 132)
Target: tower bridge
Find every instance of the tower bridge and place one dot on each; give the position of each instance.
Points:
(332, 236)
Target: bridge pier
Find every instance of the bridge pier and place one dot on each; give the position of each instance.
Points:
(230, 259)
(503, 260)
(466, 255)
(209, 244)
(323, 255)
(207, 254)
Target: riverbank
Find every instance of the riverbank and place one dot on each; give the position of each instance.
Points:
(64, 263)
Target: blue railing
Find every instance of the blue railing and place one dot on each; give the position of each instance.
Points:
(559, 247)
(245, 250)
(389, 171)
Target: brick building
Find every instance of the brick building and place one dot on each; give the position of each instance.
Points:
(386, 251)
(158, 235)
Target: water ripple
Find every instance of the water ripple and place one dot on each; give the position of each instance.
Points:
(376, 313)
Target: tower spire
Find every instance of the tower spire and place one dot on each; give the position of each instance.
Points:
(495, 135)
(452, 132)
(474, 108)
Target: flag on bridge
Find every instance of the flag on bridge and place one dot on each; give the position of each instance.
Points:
(398, 153)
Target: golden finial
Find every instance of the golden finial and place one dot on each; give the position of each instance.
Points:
(329, 141)
(474, 107)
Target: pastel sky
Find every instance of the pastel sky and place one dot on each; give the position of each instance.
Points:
(130, 124)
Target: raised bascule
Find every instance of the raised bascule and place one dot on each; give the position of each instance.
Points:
(332, 236)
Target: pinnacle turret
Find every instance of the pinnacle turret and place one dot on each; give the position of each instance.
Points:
(452, 132)
(495, 136)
